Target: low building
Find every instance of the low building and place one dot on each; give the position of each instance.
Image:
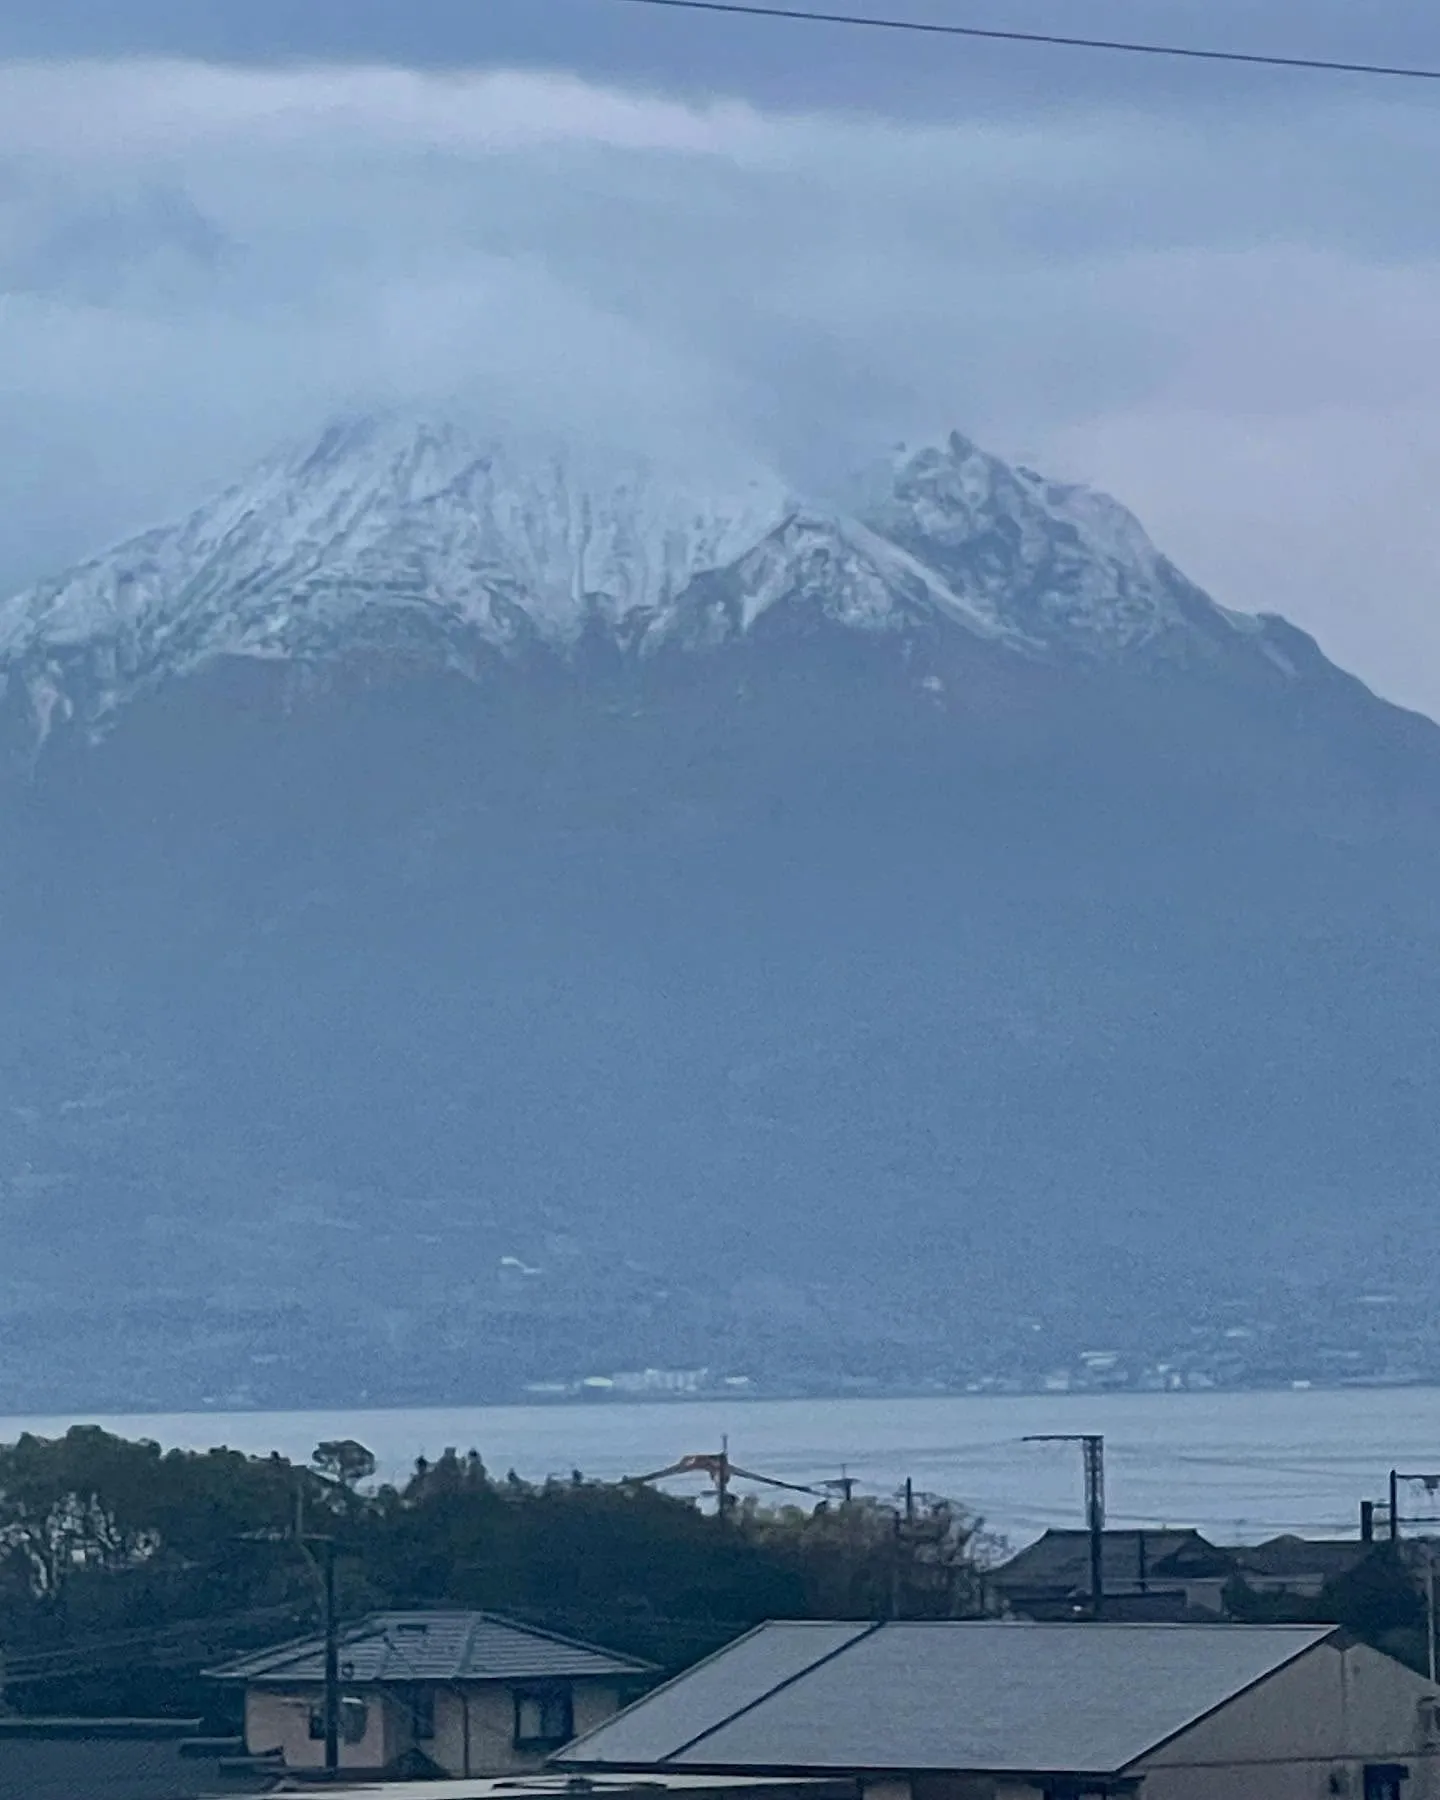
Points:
(1147, 1574)
(1161, 1574)
(1003, 1710)
(1299, 1567)
(448, 1693)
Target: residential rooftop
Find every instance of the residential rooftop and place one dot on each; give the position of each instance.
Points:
(1060, 1560)
(994, 1696)
(435, 1646)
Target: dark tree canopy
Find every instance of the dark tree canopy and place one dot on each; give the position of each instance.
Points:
(344, 1460)
(125, 1569)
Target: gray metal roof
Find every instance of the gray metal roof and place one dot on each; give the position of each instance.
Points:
(646, 1785)
(722, 1685)
(994, 1696)
(435, 1646)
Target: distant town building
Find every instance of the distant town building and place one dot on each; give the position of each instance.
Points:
(645, 1382)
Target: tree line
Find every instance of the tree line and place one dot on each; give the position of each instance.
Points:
(1381, 1600)
(126, 1569)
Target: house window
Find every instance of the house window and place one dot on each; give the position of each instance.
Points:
(1384, 1781)
(353, 1722)
(544, 1717)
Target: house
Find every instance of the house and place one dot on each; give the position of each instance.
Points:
(1148, 1575)
(1004, 1710)
(1158, 1575)
(457, 1693)
(1300, 1567)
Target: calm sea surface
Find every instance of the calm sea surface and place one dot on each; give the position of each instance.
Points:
(1236, 1465)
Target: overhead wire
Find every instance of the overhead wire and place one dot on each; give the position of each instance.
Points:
(1051, 39)
(203, 1636)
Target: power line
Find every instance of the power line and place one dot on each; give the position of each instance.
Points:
(993, 34)
(181, 1642)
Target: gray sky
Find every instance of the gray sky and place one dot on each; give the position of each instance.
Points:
(1212, 291)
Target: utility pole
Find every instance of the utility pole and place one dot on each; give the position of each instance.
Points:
(1094, 1450)
(332, 1656)
(1092, 1447)
(1430, 1482)
(902, 1533)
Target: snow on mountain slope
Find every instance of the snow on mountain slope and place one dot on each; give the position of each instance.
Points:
(387, 532)
(1062, 563)
(383, 517)
(836, 570)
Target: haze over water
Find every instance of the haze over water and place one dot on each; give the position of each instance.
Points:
(1236, 1465)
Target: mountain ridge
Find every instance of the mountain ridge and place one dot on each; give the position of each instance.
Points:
(421, 528)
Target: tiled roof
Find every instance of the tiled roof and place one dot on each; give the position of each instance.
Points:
(1060, 1560)
(436, 1646)
(1162, 1603)
(1299, 1557)
(991, 1697)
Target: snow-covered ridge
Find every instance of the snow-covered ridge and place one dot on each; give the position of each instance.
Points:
(404, 514)
(397, 525)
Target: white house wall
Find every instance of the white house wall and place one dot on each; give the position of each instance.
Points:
(281, 1721)
(1326, 1714)
(275, 1720)
(492, 1727)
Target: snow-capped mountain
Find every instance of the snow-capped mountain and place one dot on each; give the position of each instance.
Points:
(856, 932)
(395, 534)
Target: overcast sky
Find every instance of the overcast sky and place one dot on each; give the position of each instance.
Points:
(1212, 291)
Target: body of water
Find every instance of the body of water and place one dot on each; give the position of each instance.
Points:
(1238, 1466)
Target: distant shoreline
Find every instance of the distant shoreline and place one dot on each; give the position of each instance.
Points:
(1242, 1464)
(608, 1402)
